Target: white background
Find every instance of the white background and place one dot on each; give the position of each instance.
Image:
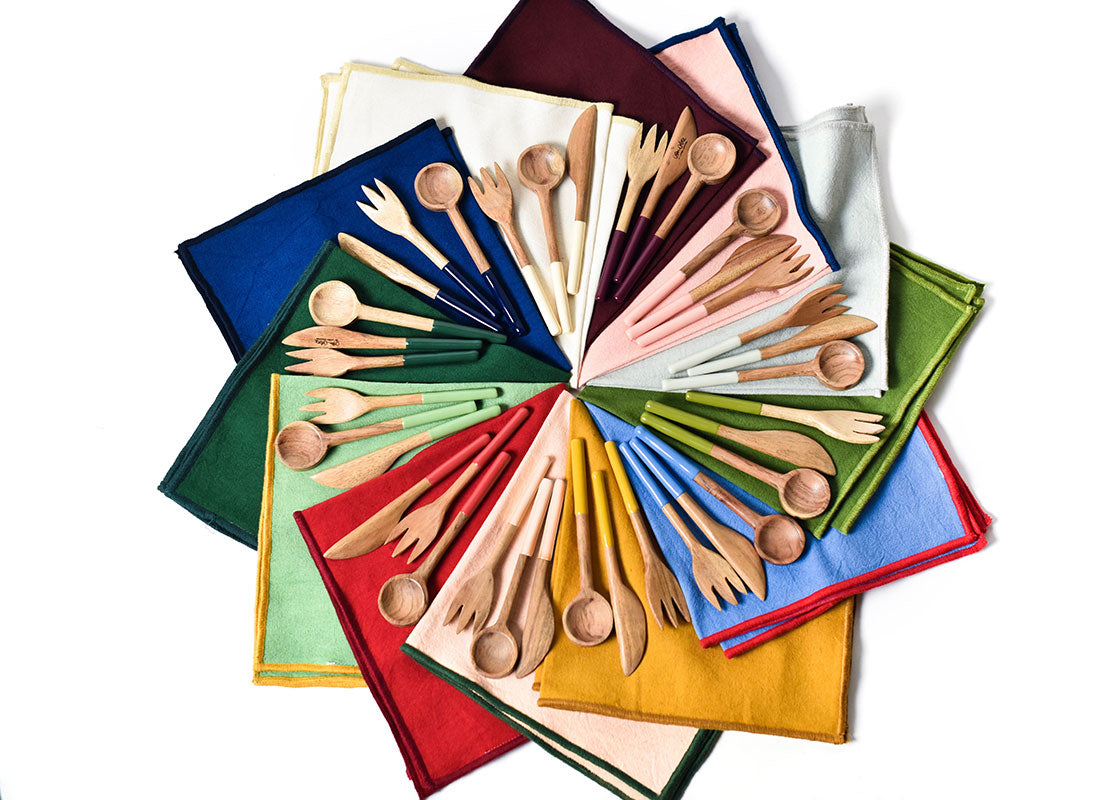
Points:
(126, 624)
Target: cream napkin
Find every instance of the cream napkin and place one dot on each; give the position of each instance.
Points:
(491, 124)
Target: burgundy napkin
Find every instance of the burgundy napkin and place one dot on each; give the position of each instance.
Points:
(567, 48)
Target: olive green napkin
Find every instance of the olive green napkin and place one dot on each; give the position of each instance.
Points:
(930, 310)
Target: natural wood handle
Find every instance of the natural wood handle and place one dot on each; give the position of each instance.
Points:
(380, 262)
(432, 561)
(399, 318)
(374, 362)
(742, 510)
(746, 465)
(364, 432)
(786, 371)
(515, 243)
(583, 548)
(730, 234)
(426, 247)
(544, 198)
(629, 202)
(683, 199)
(764, 329)
(467, 237)
(511, 593)
(690, 541)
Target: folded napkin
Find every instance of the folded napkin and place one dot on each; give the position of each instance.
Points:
(795, 686)
(829, 169)
(297, 638)
(492, 124)
(567, 47)
(245, 268)
(220, 471)
(442, 735)
(931, 309)
(632, 759)
(922, 515)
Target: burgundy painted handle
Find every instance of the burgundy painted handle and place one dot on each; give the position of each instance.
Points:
(633, 247)
(614, 254)
(638, 269)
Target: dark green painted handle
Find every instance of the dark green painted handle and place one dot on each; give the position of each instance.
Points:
(452, 357)
(455, 329)
(424, 343)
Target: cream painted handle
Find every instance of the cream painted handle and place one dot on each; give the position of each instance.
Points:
(560, 294)
(540, 297)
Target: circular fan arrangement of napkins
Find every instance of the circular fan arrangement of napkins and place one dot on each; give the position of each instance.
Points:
(462, 354)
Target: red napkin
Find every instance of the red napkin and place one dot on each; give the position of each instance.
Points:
(567, 48)
(441, 733)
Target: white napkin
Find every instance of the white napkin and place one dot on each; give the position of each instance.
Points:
(373, 104)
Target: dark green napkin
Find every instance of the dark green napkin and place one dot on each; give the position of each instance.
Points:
(931, 309)
(219, 475)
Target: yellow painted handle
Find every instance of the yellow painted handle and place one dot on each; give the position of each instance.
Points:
(623, 480)
(578, 454)
(602, 507)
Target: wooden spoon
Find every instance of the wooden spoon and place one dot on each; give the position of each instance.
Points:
(796, 448)
(540, 169)
(587, 618)
(438, 188)
(581, 157)
(804, 493)
(629, 616)
(364, 468)
(816, 306)
(404, 598)
(494, 649)
(342, 339)
(710, 161)
(327, 363)
(374, 532)
(343, 405)
(838, 365)
(335, 303)
(540, 621)
(777, 538)
(495, 197)
(474, 598)
(302, 445)
(755, 213)
(857, 427)
(641, 165)
(714, 577)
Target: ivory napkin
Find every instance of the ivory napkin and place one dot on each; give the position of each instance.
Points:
(491, 124)
(827, 171)
(632, 759)
(297, 638)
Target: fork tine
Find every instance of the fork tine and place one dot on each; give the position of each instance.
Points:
(323, 393)
(309, 354)
(303, 368)
(420, 547)
(476, 190)
(663, 144)
(866, 416)
(455, 608)
(368, 210)
(501, 179)
(709, 595)
(868, 427)
(371, 195)
(835, 311)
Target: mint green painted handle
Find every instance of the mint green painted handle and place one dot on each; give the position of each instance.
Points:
(437, 414)
(483, 393)
(694, 421)
(677, 432)
(721, 401)
(464, 422)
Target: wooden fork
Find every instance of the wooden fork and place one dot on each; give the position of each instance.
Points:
(857, 427)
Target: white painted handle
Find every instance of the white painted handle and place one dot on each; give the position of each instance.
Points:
(700, 356)
(575, 269)
(700, 381)
(653, 300)
(560, 294)
(540, 297)
(731, 362)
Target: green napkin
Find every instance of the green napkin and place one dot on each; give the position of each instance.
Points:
(219, 473)
(931, 309)
(298, 639)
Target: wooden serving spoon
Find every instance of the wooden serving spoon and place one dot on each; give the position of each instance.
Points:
(735, 549)
(629, 616)
(804, 493)
(495, 197)
(540, 169)
(755, 213)
(363, 468)
(343, 405)
(857, 427)
(374, 532)
(475, 597)
(816, 306)
(587, 618)
(663, 592)
(540, 621)
(494, 649)
(335, 303)
(641, 165)
(342, 339)
(838, 365)
(327, 363)
(438, 188)
(674, 163)
(710, 161)
(404, 598)
(777, 538)
(796, 448)
(581, 157)
(302, 445)
(714, 577)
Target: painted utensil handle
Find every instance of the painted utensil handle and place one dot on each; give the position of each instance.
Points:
(633, 247)
(722, 401)
(659, 315)
(669, 454)
(457, 460)
(637, 269)
(461, 310)
(466, 331)
(729, 363)
(676, 432)
(700, 356)
(664, 476)
(503, 434)
(655, 294)
(505, 300)
(560, 296)
(468, 290)
(577, 452)
(434, 344)
(437, 414)
(463, 422)
(449, 357)
(635, 465)
(484, 482)
(629, 499)
(575, 269)
(682, 320)
(610, 263)
(541, 298)
(602, 508)
(458, 395)
(694, 421)
(700, 381)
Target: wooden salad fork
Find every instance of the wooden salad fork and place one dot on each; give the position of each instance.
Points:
(857, 427)
(344, 405)
(327, 363)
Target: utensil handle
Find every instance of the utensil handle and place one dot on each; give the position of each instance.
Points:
(655, 294)
(463, 422)
(477, 299)
(552, 519)
(687, 438)
(683, 199)
(528, 480)
(723, 401)
(629, 203)
(497, 285)
(461, 310)
(458, 395)
(560, 295)
(484, 483)
(669, 454)
(737, 506)
(730, 234)
(700, 381)
(700, 356)
(535, 519)
(730, 363)
(784, 371)
(420, 241)
(577, 452)
(437, 414)
(575, 269)
(629, 499)
(540, 297)
(614, 254)
(460, 457)
(666, 478)
(379, 262)
(745, 465)
(636, 270)
(466, 235)
(636, 466)
(387, 316)
(681, 320)
(441, 357)
(434, 344)
(548, 219)
(466, 331)
(602, 508)
(657, 316)
(689, 420)
(633, 247)
(503, 434)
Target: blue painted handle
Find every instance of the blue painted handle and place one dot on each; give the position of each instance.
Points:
(635, 466)
(681, 462)
(667, 478)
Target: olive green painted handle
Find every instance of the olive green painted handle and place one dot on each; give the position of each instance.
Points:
(722, 401)
(464, 422)
(694, 421)
(677, 432)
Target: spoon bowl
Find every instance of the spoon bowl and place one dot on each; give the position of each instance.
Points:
(757, 212)
(494, 651)
(804, 493)
(333, 303)
(541, 167)
(588, 619)
(438, 187)
(779, 540)
(403, 600)
(711, 158)
(300, 445)
(839, 365)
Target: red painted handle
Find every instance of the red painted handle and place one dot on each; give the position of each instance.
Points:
(483, 483)
(457, 460)
(502, 436)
